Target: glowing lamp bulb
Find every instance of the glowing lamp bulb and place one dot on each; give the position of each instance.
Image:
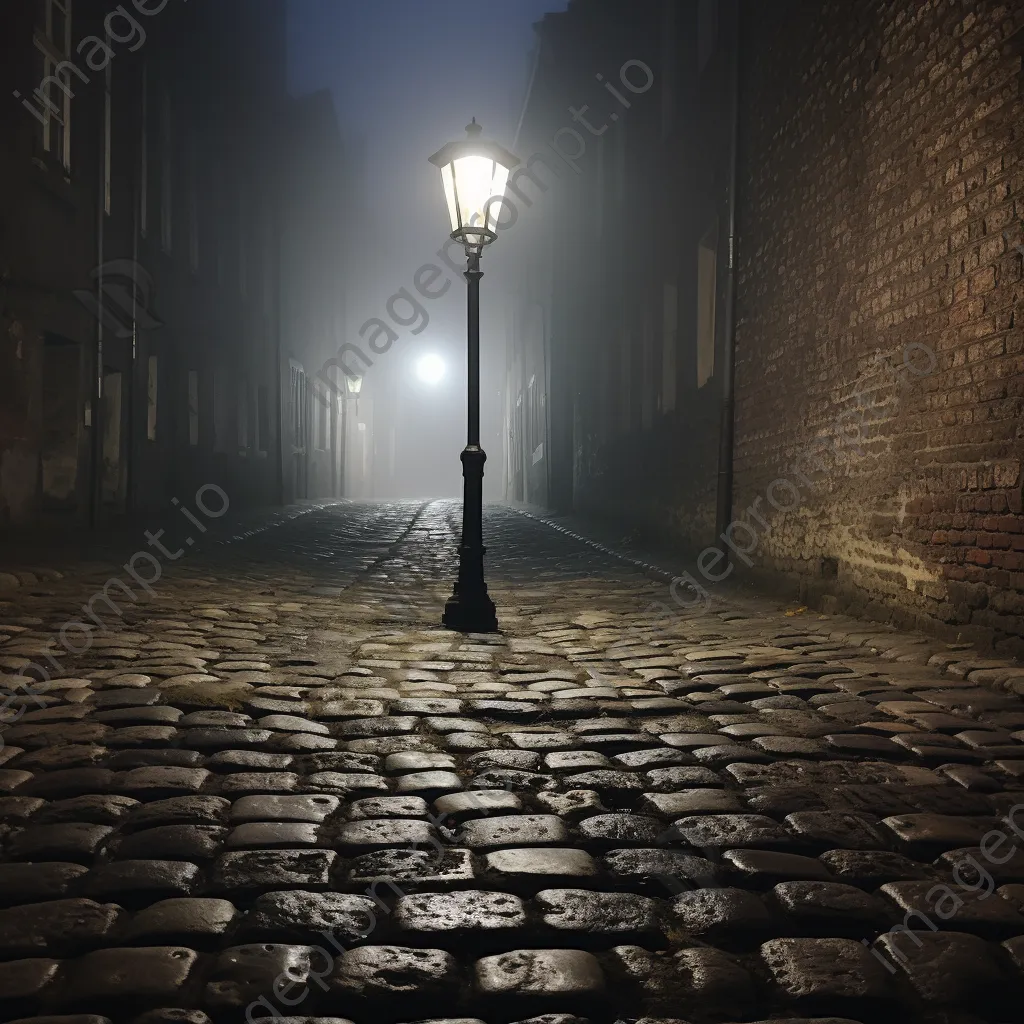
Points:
(430, 369)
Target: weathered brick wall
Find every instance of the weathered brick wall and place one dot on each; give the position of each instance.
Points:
(881, 200)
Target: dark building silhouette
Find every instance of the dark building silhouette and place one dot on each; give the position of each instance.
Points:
(836, 385)
(316, 258)
(143, 190)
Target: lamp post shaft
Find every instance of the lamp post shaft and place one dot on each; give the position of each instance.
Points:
(470, 609)
(473, 275)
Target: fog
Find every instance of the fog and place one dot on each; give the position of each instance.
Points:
(406, 77)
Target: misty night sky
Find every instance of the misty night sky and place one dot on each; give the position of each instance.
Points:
(407, 76)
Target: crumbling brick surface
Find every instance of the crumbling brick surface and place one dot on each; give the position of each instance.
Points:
(879, 298)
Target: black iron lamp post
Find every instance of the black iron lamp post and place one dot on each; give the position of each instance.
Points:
(474, 173)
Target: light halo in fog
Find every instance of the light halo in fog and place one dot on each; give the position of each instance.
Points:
(430, 369)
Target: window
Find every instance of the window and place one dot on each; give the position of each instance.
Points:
(107, 117)
(625, 381)
(531, 440)
(269, 259)
(166, 184)
(647, 396)
(622, 167)
(144, 156)
(243, 269)
(243, 416)
(111, 426)
(707, 32)
(193, 407)
(219, 190)
(224, 431)
(606, 427)
(517, 438)
(151, 395)
(297, 407)
(707, 260)
(538, 452)
(52, 41)
(669, 324)
(193, 205)
(262, 419)
(535, 412)
(323, 419)
(668, 63)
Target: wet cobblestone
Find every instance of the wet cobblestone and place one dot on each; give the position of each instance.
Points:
(276, 788)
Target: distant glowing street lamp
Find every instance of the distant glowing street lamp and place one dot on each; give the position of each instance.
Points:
(474, 174)
(430, 369)
(354, 385)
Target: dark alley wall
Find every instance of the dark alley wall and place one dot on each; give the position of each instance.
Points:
(879, 377)
(180, 238)
(606, 409)
(138, 247)
(879, 346)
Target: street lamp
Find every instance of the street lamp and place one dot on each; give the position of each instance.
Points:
(474, 173)
(430, 369)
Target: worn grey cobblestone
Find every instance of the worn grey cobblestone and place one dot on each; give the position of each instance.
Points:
(276, 788)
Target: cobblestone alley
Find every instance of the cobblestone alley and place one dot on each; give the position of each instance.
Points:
(276, 787)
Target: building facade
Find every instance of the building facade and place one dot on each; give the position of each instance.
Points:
(603, 386)
(315, 256)
(796, 354)
(150, 162)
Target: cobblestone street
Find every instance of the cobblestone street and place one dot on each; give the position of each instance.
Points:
(276, 787)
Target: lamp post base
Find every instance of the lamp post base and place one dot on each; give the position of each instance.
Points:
(470, 612)
(470, 609)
